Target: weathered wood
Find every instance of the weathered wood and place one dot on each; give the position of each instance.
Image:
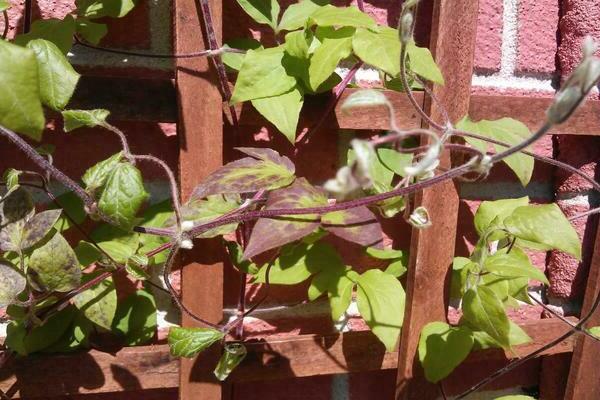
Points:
(584, 375)
(200, 131)
(432, 249)
(151, 367)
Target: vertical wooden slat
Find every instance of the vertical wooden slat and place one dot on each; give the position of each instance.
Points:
(584, 375)
(200, 129)
(432, 249)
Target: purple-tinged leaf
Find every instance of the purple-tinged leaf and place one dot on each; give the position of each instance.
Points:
(264, 170)
(269, 233)
(54, 266)
(199, 212)
(15, 206)
(38, 227)
(358, 225)
(12, 282)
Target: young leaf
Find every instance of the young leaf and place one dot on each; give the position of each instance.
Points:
(262, 75)
(545, 224)
(233, 355)
(335, 46)
(442, 348)
(507, 130)
(11, 179)
(296, 15)
(59, 32)
(266, 170)
(12, 283)
(54, 266)
(74, 119)
(123, 195)
(483, 310)
(92, 32)
(283, 111)
(380, 49)
(135, 318)
(20, 104)
(365, 98)
(234, 60)
(358, 225)
(96, 176)
(104, 8)
(262, 11)
(380, 299)
(423, 64)
(98, 303)
(329, 15)
(56, 76)
(187, 342)
(513, 265)
(489, 210)
(269, 233)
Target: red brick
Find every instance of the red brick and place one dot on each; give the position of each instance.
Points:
(489, 36)
(582, 152)
(537, 36)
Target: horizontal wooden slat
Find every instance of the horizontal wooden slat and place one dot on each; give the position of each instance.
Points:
(151, 367)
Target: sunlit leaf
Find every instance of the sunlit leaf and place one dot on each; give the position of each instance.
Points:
(283, 111)
(104, 8)
(262, 11)
(489, 210)
(335, 46)
(98, 303)
(187, 342)
(296, 15)
(58, 31)
(74, 119)
(379, 48)
(233, 355)
(484, 310)
(329, 15)
(358, 225)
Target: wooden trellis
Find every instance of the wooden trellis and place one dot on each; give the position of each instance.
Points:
(200, 127)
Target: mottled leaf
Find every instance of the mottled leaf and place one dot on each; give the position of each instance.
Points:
(12, 283)
(20, 103)
(74, 119)
(123, 195)
(187, 342)
(201, 211)
(269, 233)
(57, 77)
(16, 206)
(54, 266)
(358, 225)
(98, 303)
(36, 228)
(265, 170)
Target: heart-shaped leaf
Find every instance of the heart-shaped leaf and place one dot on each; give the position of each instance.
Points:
(54, 266)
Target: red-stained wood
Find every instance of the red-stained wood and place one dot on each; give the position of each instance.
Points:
(584, 375)
(432, 249)
(134, 369)
(200, 130)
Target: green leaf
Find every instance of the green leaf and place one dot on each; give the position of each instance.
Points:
(329, 15)
(59, 32)
(385, 254)
(517, 337)
(234, 60)
(74, 119)
(54, 266)
(203, 211)
(4, 5)
(57, 77)
(335, 46)
(16, 206)
(262, 75)
(98, 303)
(11, 180)
(340, 296)
(484, 311)
(297, 44)
(233, 355)
(365, 98)
(488, 211)
(397, 268)
(20, 103)
(326, 280)
(394, 160)
(298, 262)
(187, 342)
(380, 299)
(594, 330)
(75, 337)
(545, 224)
(423, 64)
(120, 252)
(262, 11)
(104, 8)
(72, 206)
(269, 233)
(442, 348)
(513, 265)
(266, 169)
(296, 15)
(283, 111)
(12, 283)
(357, 225)
(123, 195)
(91, 32)
(135, 318)
(96, 176)
(237, 259)
(380, 49)
(507, 130)
(24, 234)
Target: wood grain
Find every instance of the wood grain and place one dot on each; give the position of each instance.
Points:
(151, 367)
(200, 130)
(432, 249)
(584, 376)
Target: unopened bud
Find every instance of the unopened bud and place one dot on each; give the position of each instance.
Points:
(420, 218)
(186, 244)
(187, 226)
